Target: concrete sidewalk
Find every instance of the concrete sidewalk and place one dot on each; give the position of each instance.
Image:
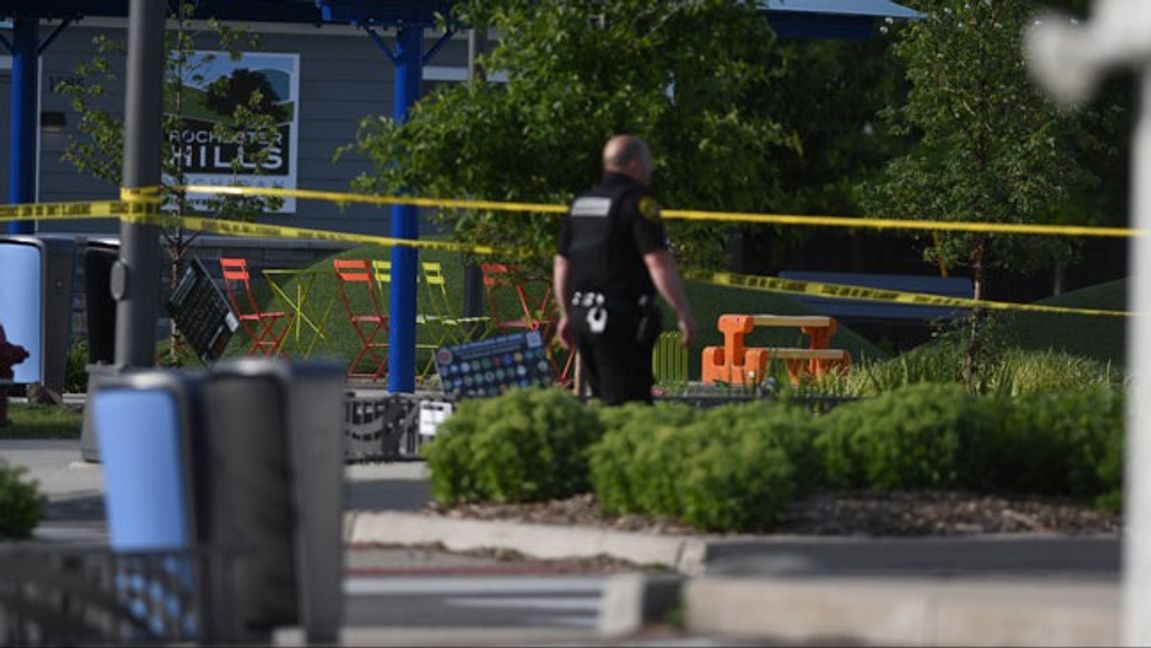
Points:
(996, 590)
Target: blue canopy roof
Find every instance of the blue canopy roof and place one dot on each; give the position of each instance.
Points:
(868, 8)
(831, 19)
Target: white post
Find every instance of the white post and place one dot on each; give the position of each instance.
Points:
(1069, 61)
(1137, 495)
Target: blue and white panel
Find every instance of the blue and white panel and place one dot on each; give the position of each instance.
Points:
(21, 307)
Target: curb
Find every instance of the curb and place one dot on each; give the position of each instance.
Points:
(921, 612)
(632, 601)
(546, 542)
(845, 600)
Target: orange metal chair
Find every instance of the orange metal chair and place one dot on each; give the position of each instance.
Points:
(368, 318)
(538, 311)
(260, 325)
(498, 277)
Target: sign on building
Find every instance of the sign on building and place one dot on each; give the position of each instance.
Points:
(212, 147)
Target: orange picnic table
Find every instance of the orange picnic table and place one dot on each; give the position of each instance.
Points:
(736, 364)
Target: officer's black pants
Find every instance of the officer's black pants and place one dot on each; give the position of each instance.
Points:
(617, 362)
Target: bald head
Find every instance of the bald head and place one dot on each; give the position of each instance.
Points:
(629, 155)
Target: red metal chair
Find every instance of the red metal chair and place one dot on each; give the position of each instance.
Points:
(367, 317)
(260, 325)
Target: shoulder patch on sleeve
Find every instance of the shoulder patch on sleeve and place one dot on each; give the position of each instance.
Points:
(649, 208)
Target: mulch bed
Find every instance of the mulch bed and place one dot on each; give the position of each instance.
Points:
(896, 513)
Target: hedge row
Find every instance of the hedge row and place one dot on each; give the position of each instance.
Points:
(21, 505)
(738, 467)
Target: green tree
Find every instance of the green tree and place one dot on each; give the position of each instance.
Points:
(244, 89)
(990, 147)
(98, 149)
(830, 94)
(680, 74)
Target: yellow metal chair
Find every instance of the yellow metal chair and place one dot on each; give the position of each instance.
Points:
(441, 311)
(382, 272)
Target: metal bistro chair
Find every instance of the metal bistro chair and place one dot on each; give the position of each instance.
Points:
(260, 325)
(453, 328)
(367, 317)
(440, 323)
(539, 312)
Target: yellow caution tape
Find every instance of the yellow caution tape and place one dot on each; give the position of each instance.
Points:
(372, 199)
(842, 291)
(239, 228)
(141, 194)
(689, 215)
(150, 196)
(76, 210)
(143, 206)
(898, 224)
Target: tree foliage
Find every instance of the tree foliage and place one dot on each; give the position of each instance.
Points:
(990, 149)
(244, 89)
(681, 74)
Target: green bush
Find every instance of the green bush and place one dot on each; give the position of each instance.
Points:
(626, 479)
(1110, 471)
(913, 437)
(76, 371)
(732, 468)
(526, 445)
(754, 460)
(1057, 444)
(21, 505)
(791, 427)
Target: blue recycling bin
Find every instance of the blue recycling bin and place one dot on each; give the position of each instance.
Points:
(143, 423)
(36, 276)
(246, 464)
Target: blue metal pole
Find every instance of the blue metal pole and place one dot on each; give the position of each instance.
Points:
(405, 224)
(23, 124)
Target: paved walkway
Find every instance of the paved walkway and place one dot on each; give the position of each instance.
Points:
(1000, 590)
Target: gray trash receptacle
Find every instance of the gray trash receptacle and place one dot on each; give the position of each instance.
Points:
(273, 450)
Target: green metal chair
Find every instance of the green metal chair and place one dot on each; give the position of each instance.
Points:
(669, 361)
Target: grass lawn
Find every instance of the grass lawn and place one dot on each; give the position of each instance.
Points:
(1096, 337)
(42, 422)
(708, 302)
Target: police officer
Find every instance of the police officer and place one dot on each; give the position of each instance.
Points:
(613, 257)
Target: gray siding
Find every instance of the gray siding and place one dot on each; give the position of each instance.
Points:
(343, 78)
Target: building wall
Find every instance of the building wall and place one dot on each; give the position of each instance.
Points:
(344, 77)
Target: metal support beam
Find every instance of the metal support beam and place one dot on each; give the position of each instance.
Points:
(24, 124)
(473, 276)
(379, 41)
(136, 276)
(405, 224)
(436, 46)
(55, 32)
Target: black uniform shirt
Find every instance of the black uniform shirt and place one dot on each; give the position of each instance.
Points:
(605, 235)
